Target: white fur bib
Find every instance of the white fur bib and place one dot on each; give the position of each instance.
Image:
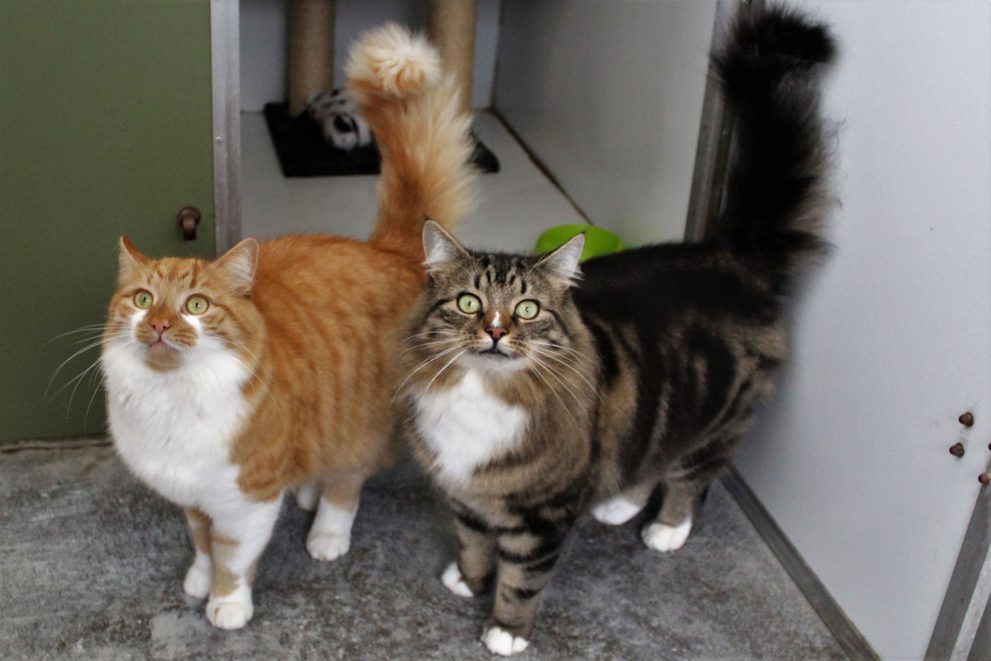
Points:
(466, 426)
(174, 429)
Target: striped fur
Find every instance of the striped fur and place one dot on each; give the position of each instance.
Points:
(285, 380)
(637, 379)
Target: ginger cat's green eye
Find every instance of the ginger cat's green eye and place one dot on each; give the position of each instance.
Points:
(197, 305)
(469, 303)
(527, 309)
(143, 299)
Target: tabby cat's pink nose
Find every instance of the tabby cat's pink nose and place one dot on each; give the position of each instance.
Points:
(159, 325)
(495, 332)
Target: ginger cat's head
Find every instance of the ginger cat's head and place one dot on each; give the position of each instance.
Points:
(173, 312)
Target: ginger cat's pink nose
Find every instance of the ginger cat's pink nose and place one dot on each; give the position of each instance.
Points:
(159, 325)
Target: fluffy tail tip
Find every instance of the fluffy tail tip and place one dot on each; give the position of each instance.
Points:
(391, 60)
(783, 34)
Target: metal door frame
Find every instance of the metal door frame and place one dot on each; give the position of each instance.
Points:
(225, 51)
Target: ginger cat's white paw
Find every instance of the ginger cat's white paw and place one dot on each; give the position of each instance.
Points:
(454, 581)
(229, 614)
(328, 545)
(197, 583)
(615, 511)
(665, 538)
(499, 641)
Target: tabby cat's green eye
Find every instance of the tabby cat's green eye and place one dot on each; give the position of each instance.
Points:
(527, 309)
(469, 303)
(143, 299)
(197, 305)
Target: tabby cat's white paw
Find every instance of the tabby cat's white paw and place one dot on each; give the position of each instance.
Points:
(197, 583)
(454, 581)
(229, 614)
(615, 511)
(308, 497)
(500, 641)
(328, 545)
(661, 537)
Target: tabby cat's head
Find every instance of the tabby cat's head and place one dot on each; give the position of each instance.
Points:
(172, 311)
(497, 312)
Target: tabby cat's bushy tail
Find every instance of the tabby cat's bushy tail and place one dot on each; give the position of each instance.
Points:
(770, 66)
(413, 111)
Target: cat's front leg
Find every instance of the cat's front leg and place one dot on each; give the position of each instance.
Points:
(526, 563)
(472, 572)
(238, 536)
(200, 573)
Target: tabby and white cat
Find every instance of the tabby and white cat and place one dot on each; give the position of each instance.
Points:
(273, 367)
(537, 390)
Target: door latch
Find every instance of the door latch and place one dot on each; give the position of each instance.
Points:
(189, 218)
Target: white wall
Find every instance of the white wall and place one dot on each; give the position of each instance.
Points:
(608, 95)
(892, 337)
(263, 43)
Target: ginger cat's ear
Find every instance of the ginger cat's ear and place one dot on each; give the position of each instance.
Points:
(237, 267)
(562, 263)
(440, 247)
(130, 261)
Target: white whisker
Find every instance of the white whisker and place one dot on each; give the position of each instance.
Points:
(554, 392)
(88, 347)
(557, 378)
(424, 345)
(571, 367)
(448, 364)
(420, 367)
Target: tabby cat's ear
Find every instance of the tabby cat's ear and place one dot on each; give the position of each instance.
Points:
(562, 263)
(440, 247)
(130, 261)
(237, 267)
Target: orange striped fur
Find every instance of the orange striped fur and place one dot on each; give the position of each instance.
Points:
(308, 328)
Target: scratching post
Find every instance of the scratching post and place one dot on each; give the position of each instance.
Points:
(452, 31)
(297, 136)
(311, 51)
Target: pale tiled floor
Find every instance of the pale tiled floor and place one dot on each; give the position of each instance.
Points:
(515, 205)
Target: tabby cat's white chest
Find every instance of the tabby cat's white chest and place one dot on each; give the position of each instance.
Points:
(174, 429)
(465, 426)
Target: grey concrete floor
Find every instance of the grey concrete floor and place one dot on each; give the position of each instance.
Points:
(91, 564)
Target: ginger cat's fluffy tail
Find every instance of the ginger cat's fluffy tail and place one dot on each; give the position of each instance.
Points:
(413, 110)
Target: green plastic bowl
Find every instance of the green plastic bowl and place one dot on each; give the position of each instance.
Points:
(598, 241)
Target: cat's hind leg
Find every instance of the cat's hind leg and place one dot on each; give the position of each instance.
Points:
(670, 530)
(623, 507)
(198, 577)
(308, 496)
(238, 536)
(684, 487)
(330, 534)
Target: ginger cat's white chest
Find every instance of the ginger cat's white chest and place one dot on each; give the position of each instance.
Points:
(174, 429)
(466, 427)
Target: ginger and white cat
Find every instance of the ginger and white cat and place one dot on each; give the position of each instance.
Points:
(273, 367)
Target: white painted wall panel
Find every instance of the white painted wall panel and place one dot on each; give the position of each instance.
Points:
(892, 337)
(263, 43)
(608, 95)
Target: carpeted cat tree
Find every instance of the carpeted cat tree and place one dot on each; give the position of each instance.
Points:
(316, 132)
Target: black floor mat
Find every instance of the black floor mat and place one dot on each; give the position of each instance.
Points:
(303, 152)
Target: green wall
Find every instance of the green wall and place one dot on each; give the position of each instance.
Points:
(105, 129)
